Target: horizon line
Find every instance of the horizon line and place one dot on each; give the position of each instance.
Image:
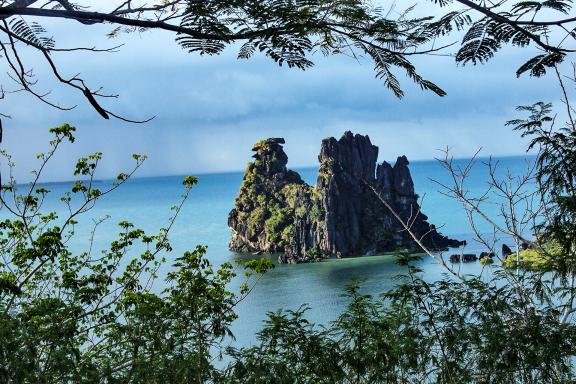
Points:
(234, 171)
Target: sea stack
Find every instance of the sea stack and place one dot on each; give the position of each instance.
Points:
(342, 216)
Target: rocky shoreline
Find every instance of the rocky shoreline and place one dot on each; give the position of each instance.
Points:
(341, 216)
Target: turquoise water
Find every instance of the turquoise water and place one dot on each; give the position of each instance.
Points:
(146, 202)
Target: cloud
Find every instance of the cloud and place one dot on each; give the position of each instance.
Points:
(210, 110)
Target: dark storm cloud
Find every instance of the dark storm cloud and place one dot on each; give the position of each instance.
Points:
(211, 109)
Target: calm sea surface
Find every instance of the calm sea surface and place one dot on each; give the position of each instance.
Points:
(146, 202)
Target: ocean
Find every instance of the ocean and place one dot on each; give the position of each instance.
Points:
(146, 202)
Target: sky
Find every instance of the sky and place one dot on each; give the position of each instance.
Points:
(210, 110)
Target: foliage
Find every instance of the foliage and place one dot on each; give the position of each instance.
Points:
(290, 350)
(316, 254)
(290, 193)
(420, 332)
(536, 259)
(556, 176)
(516, 23)
(86, 318)
(90, 316)
(256, 218)
(288, 32)
(274, 226)
(287, 234)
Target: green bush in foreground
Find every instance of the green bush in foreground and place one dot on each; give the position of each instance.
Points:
(93, 316)
(534, 259)
(442, 332)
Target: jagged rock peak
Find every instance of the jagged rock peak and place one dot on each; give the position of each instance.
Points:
(270, 156)
(403, 184)
(353, 154)
(273, 142)
(385, 177)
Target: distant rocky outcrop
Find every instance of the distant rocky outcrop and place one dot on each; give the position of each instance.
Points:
(341, 216)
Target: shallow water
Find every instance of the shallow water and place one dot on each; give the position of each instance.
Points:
(146, 202)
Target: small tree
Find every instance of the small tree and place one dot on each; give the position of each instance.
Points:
(93, 316)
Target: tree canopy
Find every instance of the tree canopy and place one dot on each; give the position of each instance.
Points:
(289, 32)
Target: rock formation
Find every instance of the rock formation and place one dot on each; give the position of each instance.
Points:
(341, 216)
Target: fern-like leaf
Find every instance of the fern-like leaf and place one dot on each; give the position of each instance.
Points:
(538, 64)
(33, 33)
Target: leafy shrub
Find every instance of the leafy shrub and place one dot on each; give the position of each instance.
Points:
(93, 316)
(535, 259)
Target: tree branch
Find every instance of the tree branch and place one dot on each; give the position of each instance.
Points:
(514, 24)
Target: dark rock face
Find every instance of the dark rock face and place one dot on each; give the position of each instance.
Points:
(341, 216)
(469, 257)
(455, 258)
(486, 254)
